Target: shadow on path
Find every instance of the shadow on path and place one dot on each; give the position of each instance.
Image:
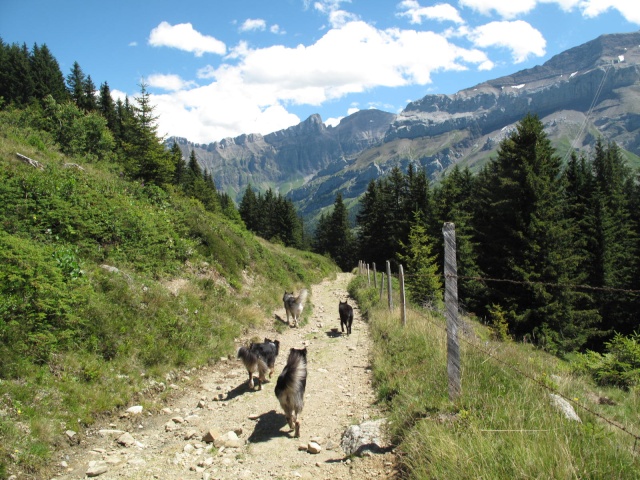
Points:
(268, 426)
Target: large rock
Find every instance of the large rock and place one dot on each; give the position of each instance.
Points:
(367, 436)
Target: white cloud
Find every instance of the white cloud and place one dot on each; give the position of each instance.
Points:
(169, 82)
(629, 9)
(333, 121)
(251, 24)
(504, 8)
(133, 44)
(183, 37)
(440, 12)
(509, 9)
(519, 37)
(252, 93)
(276, 29)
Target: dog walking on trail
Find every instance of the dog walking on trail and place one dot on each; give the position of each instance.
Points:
(259, 358)
(346, 316)
(290, 387)
(294, 305)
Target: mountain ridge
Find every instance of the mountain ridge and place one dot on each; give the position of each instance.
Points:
(586, 92)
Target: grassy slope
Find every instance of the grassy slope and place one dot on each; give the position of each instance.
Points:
(503, 426)
(78, 339)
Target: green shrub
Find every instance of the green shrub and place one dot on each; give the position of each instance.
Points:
(618, 366)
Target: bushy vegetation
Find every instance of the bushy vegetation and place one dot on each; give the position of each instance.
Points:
(504, 424)
(110, 281)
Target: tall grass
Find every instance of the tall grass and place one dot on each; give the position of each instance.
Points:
(504, 425)
(110, 290)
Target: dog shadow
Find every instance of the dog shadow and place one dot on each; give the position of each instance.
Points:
(280, 319)
(242, 389)
(269, 425)
(334, 333)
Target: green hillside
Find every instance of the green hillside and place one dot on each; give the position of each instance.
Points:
(108, 286)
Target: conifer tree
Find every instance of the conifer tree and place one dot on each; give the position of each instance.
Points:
(46, 75)
(423, 277)
(89, 101)
(107, 107)
(341, 244)
(76, 83)
(249, 210)
(615, 237)
(453, 201)
(527, 240)
(145, 157)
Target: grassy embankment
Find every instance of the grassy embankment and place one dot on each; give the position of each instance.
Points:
(109, 288)
(504, 425)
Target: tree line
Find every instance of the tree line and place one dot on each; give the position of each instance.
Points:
(86, 121)
(546, 246)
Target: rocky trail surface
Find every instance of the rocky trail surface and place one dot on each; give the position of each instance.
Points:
(215, 427)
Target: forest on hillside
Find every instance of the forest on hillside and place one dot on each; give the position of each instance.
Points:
(547, 246)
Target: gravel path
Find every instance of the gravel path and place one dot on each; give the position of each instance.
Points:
(169, 444)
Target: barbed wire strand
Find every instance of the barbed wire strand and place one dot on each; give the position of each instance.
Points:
(535, 380)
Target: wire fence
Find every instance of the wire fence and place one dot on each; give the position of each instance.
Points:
(364, 269)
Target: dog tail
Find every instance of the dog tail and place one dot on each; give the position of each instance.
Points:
(302, 297)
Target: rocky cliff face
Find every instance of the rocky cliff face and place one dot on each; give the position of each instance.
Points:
(586, 79)
(288, 156)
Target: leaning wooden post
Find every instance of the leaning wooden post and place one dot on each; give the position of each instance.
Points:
(403, 305)
(390, 300)
(381, 284)
(451, 305)
(368, 276)
(375, 276)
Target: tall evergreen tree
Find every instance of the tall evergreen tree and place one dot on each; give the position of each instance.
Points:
(107, 107)
(89, 101)
(453, 201)
(335, 238)
(145, 156)
(527, 241)
(250, 210)
(424, 284)
(75, 84)
(616, 240)
(46, 74)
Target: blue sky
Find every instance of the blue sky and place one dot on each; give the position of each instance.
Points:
(219, 69)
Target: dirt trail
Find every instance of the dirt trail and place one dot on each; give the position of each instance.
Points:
(169, 445)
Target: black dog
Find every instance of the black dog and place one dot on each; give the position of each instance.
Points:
(268, 351)
(291, 385)
(259, 358)
(346, 316)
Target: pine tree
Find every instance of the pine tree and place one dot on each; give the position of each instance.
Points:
(453, 201)
(249, 210)
(16, 82)
(615, 237)
(107, 107)
(47, 76)
(75, 84)
(145, 157)
(527, 240)
(179, 165)
(423, 277)
(341, 240)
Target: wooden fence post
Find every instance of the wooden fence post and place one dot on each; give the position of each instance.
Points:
(451, 305)
(381, 284)
(375, 277)
(390, 300)
(368, 276)
(403, 305)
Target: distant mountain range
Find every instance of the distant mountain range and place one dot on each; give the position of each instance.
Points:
(584, 93)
